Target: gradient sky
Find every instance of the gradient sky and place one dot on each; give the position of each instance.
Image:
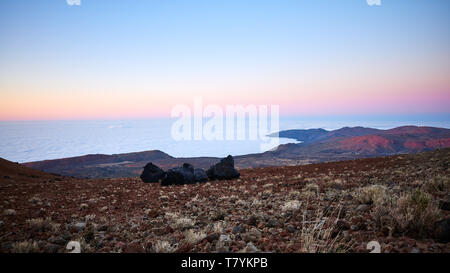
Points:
(133, 59)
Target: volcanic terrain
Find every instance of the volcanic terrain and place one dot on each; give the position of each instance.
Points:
(318, 145)
(398, 201)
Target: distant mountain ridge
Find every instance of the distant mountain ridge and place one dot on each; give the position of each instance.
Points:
(359, 142)
(115, 165)
(314, 135)
(318, 145)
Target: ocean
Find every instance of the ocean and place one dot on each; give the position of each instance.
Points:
(25, 141)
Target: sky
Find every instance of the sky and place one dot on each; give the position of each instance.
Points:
(138, 59)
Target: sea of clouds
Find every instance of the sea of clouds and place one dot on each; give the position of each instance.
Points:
(25, 141)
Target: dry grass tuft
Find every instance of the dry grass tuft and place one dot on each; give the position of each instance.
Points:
(413, 213)
(164, 247)
(371, 194)
(192, 237)
(41, 224)
(318, 236)
(291, 205)
(29, 246)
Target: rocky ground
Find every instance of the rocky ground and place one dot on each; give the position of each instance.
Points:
(328, 207)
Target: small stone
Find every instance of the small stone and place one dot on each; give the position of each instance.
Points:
(80, 225)
(224, 238)
(348, 197)
(272, 223)
(164, 198)
(290, 228)
(151, 213)
(105, 208)
(252, 236)
(237, 229)
(103, 228)
(212, 237)
(253, 221)
(250, 248)
(415, 250)
(9, 212)
(362, 208)
(223, 243)
(346, 236)
(442, 231)
(354, 227)
(58, 240)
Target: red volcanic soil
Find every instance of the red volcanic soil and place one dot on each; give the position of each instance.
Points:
(371, 143)
(18, 172)
(401, 139)
(416, 130)
(438, 143)
(379, 144)
(327, 207)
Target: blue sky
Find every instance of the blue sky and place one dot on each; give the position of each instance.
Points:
(259, 51)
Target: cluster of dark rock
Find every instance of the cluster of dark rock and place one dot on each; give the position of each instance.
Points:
(187, 174)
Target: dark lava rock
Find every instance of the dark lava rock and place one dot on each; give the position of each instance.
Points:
(348, 197)
(253, 221)
(184, 175)
(238, 229)
(179, 175)
(152, 173)
(153, 213)
(212, 237)
(223, 170)
(80, 225)
(362, 208)
(200, 175)
(290, 228)
(103, 228)
(442, 231)
(58, 240)
(272, 223)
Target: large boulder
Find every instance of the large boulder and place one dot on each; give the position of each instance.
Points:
(179, 175)
(223, 170)
(442, 231)
(152, 173)
(200, 175)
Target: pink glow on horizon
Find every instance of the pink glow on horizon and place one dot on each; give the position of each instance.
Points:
(116, 106)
